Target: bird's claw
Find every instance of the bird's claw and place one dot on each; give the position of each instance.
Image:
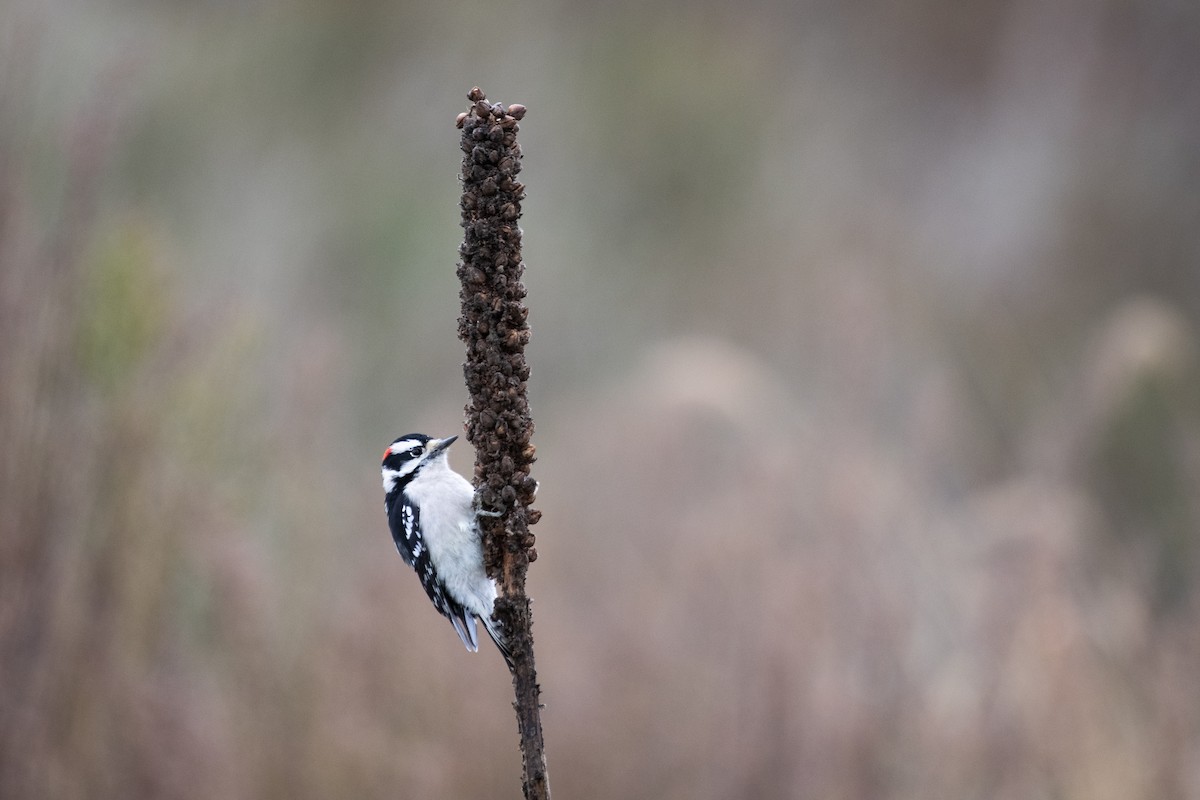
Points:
(480, 511)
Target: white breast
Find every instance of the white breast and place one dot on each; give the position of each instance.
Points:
(448, 523)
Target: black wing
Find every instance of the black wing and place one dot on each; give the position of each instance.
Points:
(404, 518)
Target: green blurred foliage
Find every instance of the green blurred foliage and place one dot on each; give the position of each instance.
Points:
(124, 311)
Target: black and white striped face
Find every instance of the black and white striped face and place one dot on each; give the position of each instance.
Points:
(408, 454)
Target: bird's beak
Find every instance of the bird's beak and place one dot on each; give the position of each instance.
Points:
(438, 445)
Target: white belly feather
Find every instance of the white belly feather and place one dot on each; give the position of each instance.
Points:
(447, 521)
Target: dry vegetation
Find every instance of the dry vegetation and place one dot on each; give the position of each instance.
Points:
(865, 364)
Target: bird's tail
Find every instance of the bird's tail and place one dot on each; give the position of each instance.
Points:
(496, 631)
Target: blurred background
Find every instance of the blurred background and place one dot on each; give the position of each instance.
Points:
(865, 368)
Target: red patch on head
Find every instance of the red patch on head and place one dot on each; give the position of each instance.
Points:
(386, 453)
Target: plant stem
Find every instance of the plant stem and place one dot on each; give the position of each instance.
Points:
(493, 326)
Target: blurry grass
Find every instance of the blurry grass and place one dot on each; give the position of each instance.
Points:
(124, 311)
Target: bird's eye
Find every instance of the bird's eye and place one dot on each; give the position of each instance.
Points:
(414, 452)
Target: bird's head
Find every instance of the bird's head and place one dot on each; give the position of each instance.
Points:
(410, 453)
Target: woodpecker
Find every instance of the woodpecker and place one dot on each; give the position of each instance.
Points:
(434, 519)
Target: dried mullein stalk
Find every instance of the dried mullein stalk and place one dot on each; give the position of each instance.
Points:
(493, 326)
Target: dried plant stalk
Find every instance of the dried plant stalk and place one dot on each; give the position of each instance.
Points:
(493, 326)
